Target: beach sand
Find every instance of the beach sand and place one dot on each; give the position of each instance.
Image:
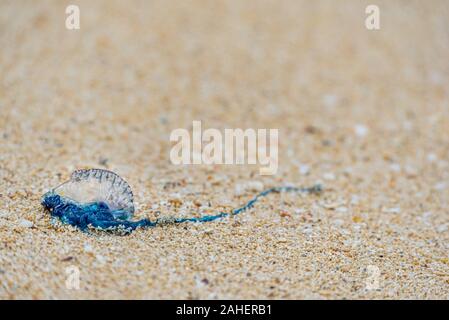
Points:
(365, 113)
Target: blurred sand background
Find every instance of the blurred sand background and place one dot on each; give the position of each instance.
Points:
(366, 113)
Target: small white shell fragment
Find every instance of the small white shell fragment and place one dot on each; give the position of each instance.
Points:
(24, 223)
(360, 130)
(395, 167)
(88, 248)
(101, 259)
(4, 213)
(304, 169)
(338, 222)
(253, 186)
(355, 199)
(442, 228)
(410, 171)
(440, 186)
(432, 157)
(329, 176)
(342, 209)
(330, 100)
(394, 210)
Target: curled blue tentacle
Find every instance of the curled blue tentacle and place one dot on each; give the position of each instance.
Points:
(98, 215)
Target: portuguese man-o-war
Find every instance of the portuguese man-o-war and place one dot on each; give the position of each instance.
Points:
(100, 199)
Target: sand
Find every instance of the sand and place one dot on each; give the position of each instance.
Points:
(365, 113)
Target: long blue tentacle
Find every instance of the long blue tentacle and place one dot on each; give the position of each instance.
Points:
(315, 189)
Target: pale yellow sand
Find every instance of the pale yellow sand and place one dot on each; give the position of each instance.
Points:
(364, 112)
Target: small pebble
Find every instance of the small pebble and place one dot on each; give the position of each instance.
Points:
(284, 214)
